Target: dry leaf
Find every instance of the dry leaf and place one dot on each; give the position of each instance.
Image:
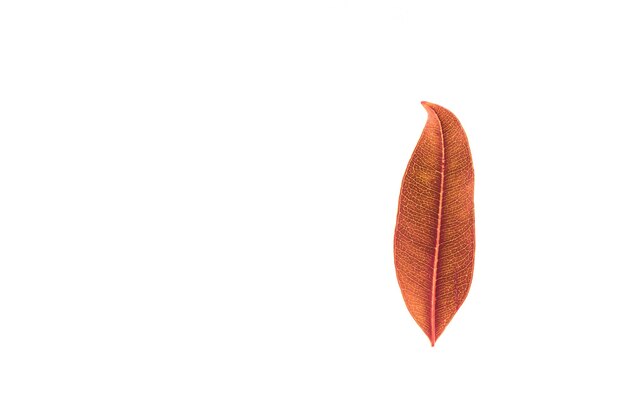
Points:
(434, 239)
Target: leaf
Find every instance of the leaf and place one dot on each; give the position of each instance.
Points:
(434, 239)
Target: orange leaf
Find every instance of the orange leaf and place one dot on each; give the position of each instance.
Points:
(434, 240)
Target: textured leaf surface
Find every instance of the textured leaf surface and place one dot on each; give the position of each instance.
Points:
(434, 239)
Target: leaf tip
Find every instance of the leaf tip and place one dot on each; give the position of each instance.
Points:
(430, 107)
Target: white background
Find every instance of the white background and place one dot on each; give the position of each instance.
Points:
(197, 205)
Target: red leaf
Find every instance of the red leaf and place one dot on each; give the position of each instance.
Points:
(434, 240)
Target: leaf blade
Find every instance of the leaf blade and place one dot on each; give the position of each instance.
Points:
(434, 239)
